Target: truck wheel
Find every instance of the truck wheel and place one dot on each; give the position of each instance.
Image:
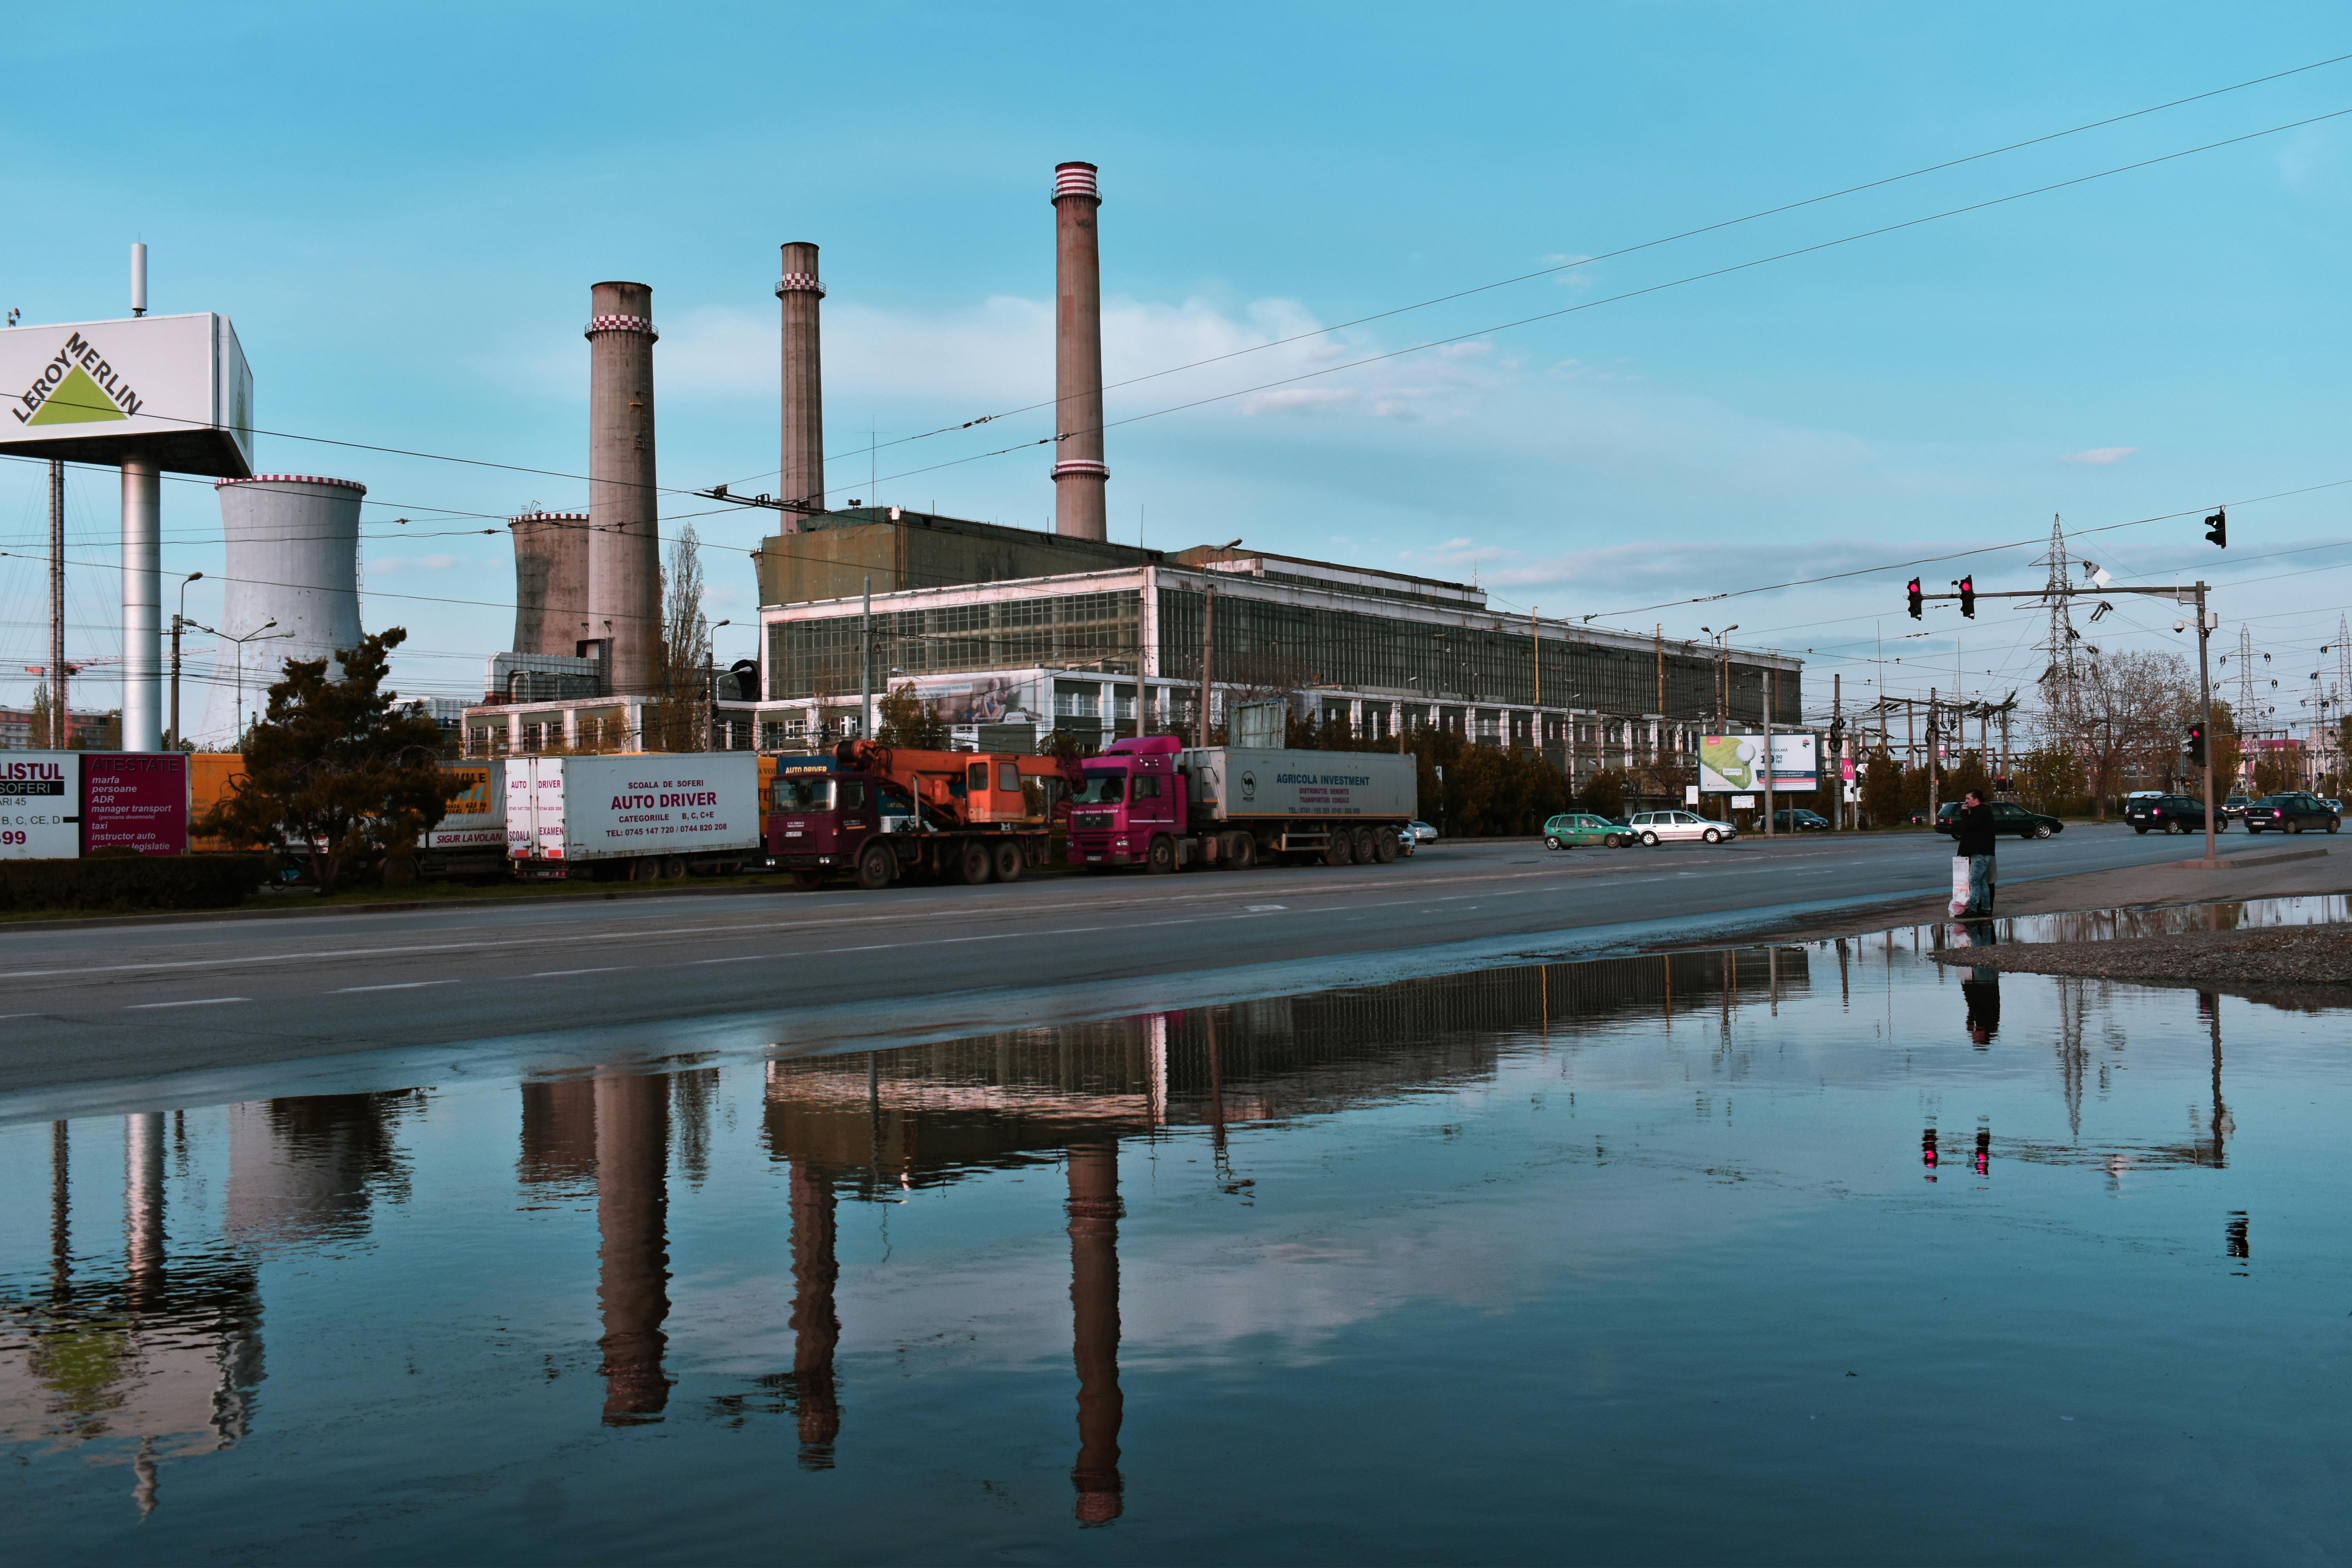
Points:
(1008, 861)
(1240, 851)
(807, 881)
(875, 867)
(1384, 846)
(674, 867)
(645, 869)
(1161, 856)
(1361, 842)
(972, 865)
(1336, 850)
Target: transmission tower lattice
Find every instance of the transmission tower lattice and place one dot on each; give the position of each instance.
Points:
(2061, 674)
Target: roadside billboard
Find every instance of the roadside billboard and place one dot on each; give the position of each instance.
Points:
(1735, 764)
(173, 388)
(40, 806)
(61, 805)
(135, 800)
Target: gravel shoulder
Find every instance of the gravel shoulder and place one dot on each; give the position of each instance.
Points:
(2299, 966)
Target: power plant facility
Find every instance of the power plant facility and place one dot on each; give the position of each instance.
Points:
(291, 588)
(1016, 634)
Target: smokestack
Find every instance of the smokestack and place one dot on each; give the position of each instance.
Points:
(550, 551)
(804, 448)
(625, 518)
(1078, 472)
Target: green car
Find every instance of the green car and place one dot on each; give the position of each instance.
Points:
(1574, 828)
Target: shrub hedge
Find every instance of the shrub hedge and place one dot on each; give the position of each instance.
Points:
(110, 883)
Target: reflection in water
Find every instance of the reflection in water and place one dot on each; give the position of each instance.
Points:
(1094, 1304)
(146, 1351)
(633, 1257)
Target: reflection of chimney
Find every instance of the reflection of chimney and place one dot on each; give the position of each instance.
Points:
(804, 450)
(816, 1328)
(625, 534)
(1078, 472)
(1094, 1345)
(143, 1208)
(632, 1215)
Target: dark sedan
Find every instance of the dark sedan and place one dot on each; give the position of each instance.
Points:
(2291, 813)
(2007, 817)
(2170, 813)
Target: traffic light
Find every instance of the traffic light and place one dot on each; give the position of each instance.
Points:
(1914, 592)
(2216, 529)
(1968, 596)
(2196, 747)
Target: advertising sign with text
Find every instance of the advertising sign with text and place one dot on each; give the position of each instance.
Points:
(1733, 763)
(135, 800)
(40, 806)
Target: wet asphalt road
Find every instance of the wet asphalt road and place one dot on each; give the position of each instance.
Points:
(134, 1003)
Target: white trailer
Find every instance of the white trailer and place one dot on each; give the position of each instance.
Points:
(1240, 783)
(642, 815)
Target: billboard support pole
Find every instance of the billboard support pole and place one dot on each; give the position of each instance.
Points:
(1768, 751)
(142, 606)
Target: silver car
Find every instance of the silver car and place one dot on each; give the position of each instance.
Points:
(1670, 826)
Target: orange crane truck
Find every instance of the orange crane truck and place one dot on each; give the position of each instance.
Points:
(885, 814)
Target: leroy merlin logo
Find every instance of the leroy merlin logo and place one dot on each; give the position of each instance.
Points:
(77, 387)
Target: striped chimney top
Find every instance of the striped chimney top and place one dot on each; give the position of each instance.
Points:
(1075, 180)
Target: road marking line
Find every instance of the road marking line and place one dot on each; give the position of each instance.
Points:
(601, 969)
(398, 986)
(747, 958)
(198, 1001)
(1261, 909)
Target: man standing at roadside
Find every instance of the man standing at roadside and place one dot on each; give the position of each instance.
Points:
(1973, 842)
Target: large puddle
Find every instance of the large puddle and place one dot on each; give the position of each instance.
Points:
(1800, 1253)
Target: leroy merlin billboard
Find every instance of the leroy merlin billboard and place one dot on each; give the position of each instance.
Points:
(1734, 765)
(175, 389)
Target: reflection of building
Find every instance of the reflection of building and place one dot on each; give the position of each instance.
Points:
(879, 1125)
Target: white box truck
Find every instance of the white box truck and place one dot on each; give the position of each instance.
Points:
(642, 815)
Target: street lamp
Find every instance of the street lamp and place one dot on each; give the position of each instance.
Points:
(710, 691)
(179, 619)
(254, 635)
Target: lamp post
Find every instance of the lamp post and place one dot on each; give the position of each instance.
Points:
(1208, 639)
(179, 619)
(254, 635)
(710, 690)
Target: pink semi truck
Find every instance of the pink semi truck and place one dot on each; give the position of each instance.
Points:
(1155, 804)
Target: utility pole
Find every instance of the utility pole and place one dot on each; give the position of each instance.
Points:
(865, 664)
(1935, 773)
(1209, 640)
(2205, 707)
(1768, 751)
(709, 692)
(61, 715)
(1837, 749)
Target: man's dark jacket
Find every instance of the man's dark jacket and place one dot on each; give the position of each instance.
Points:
(1976, 834)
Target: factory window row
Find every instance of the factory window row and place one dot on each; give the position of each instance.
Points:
(821, 658)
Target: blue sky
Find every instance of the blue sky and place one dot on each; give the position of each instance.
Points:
(403, 209)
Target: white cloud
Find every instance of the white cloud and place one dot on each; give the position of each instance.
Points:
(2100, 456)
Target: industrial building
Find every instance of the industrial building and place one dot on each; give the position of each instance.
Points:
(1015, 634)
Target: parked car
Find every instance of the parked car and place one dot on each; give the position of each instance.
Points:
(1572, 829)
(1423, 833)
(2291, 813)
(2007, 817)
(2236, 806)
(2170, 813)
(1800, 821)
(1663, 826)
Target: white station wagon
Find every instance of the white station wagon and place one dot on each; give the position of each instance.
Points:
(1663, 826)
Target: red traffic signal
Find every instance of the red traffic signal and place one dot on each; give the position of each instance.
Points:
(1968, 596)
(2196, 745)
(1914, 592)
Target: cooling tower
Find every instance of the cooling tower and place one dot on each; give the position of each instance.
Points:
(550, 581)
(625, 543)
(293, 558)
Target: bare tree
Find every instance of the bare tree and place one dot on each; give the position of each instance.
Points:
(682, 658)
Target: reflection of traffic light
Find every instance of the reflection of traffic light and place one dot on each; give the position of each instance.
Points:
(1984, 1151)
(2216, 529)
(1914, 592)
(2196, 746)
(1968, 596)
